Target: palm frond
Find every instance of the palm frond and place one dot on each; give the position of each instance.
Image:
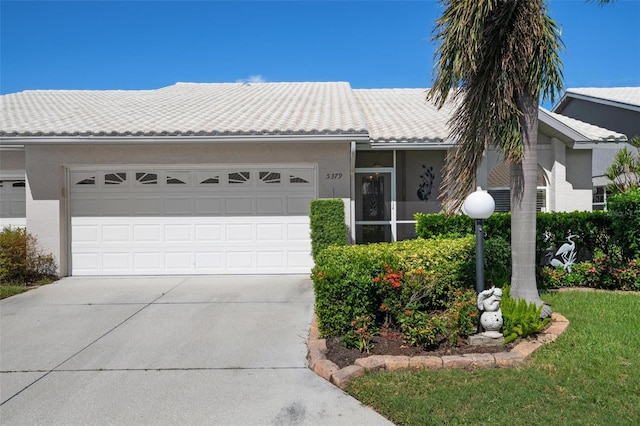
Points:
(494, 53)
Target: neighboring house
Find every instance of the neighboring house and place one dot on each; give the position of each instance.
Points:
(216, 178)
(615, 108)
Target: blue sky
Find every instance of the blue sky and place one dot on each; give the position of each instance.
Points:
(371, 44)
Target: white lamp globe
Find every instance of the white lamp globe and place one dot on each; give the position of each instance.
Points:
(479, 205)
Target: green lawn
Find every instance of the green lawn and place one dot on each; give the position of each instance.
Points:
(7, 290)
(589, 376)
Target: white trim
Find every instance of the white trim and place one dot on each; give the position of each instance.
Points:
(394, 212)
(67, 204)
(12, 175)
(352, 190)
(408, 146)
(183, 166)
(595, 99)
(34, 140)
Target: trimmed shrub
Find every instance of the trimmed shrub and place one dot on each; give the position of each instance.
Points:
(593, 228)
(624, 209)
(327, 224)
(443, 225)
(21, 260)
(357, 281)
(497, 262)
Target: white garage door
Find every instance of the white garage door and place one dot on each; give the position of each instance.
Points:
(205, 221)
(12, 203)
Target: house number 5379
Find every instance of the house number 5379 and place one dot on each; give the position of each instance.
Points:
(334, 176)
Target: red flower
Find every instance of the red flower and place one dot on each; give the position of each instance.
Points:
(376, 279)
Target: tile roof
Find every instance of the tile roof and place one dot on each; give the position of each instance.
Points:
(588, 131)
(185, 109)
(622, 95)
(403, 115)
(241, 109)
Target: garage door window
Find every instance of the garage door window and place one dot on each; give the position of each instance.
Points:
(115, 178)
(270, 177)
(239, 177)
(177, 178)
(146, 178)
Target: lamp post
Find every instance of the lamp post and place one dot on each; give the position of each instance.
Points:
(479, 205)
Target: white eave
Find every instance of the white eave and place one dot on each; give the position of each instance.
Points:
(261, 138)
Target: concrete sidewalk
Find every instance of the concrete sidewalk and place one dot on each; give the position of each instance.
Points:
(227, 350)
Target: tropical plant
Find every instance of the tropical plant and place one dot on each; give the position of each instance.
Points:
(624, 173)
(521, 319)
(498, 56)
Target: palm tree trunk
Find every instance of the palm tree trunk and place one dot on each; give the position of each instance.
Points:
(523, 208)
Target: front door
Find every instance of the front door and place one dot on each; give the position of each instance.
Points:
(374, 210)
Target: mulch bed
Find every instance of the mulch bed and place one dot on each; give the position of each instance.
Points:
(390, 342)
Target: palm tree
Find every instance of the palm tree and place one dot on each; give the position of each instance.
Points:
(495, 58)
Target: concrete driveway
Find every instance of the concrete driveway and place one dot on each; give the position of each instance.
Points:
(227, 350)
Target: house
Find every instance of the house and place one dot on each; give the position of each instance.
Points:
(616, 108)
(216, 178)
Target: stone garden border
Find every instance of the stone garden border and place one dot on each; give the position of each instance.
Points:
(519, 355)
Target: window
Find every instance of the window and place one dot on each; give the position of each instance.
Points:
(600, 198)
(145, 178)
(177, 178)
(498, 181)
(115, 178)
(270, 177)
(239, 177)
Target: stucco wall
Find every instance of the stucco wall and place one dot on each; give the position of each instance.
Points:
(44, 222)
(411, 174)
(607, 116)
(45, 168)
(11, 162)
(567, 171)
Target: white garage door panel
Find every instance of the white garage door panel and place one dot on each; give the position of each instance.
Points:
(167, 245)
(208, 233)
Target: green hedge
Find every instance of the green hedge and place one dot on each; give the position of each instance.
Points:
(594, 229)
(328, 225)
(624, 210)
(350, 281)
